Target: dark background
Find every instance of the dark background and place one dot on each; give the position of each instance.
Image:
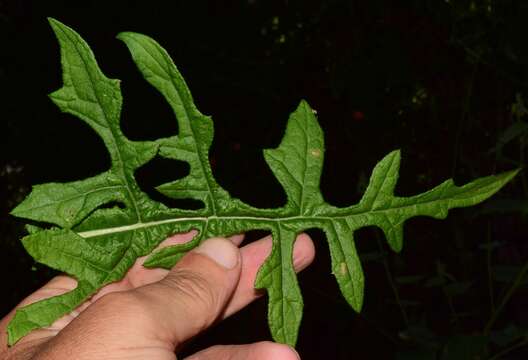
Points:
(444, 80)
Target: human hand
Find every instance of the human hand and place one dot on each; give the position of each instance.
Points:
(150, 313)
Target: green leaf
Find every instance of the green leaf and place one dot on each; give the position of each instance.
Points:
(97, 245)
(195, 130)
(278, 277)
(66, 204)
(298, 161)
(346, 266)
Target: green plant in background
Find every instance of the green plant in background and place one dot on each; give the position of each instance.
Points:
(510, 336)
(516, 132)
(97, 245)
(494, 339)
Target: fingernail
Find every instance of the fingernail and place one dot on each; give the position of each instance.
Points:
(221, 251)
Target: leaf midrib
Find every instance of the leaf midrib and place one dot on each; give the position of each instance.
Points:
(141, 225)
(353, 211)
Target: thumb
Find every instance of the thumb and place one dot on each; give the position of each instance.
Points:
(195, 292)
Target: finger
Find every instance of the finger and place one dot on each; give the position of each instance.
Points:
(138, 275)
(156, 318)
(253, 256)
(135, 277)
(258, 351)
(236, 239)
(194, 293)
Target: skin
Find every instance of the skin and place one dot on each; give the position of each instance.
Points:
(151, 313)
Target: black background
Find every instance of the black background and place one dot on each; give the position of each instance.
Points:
(436, 79)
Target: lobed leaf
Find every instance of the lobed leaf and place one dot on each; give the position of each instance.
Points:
(97, 245)
(298, 161)
(67, 204)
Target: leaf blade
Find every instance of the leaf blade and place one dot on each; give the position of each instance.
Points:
(195, 130)
(67, 204)
(346, 266)
(277, 276)
(298, 161)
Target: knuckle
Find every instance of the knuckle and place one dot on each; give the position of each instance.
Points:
(122, 300)
(113, 299)
(116, 308)
(194, 289)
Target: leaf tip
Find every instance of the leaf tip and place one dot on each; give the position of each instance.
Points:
(11, 337)
(130, 36)
(124, 35)
(395, 154)
(21, 208)
(358, 305)
(500, 180)
(56, 24)
(303, 104)
(509, 175)
(396, 245)
(16, 329)
(15, 211)
(51, 20)
(150, 262)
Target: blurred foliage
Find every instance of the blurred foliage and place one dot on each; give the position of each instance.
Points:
(445, 80)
